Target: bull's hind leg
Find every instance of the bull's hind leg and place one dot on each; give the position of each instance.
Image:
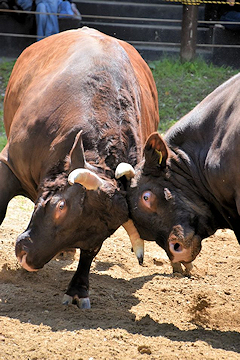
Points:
(78, 289)
(9, 187)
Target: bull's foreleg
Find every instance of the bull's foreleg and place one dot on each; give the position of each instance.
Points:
(177, 268)
(78, 289)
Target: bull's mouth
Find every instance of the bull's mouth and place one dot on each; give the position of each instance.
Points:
(22, 258)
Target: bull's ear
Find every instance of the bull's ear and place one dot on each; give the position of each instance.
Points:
(76, 155)
(156, 153)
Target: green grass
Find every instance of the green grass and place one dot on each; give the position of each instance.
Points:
(5, 71)
(180, 87)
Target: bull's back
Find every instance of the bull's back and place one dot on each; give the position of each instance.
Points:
(45, 63)
(149, 95)
(77, 80)
(209, 135)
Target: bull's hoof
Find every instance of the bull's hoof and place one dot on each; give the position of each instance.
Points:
(82, 303)
(188, 268)
(177, 268)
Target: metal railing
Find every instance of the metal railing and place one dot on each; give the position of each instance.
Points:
(131, 19)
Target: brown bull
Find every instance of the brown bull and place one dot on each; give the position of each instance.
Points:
(77, 104)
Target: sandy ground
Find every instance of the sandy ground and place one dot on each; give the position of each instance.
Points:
(137, 312)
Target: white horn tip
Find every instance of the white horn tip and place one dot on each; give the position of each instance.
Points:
(87, 178)
(72, 176)
(138, 248)
(124, 169)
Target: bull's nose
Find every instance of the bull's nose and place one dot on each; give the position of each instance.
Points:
(179, 253)
(22, 243)
(23, 261)
(21, 251)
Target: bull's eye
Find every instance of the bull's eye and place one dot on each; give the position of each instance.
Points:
(148, 200)
(60, 210)
(146, 196)
(61, 205)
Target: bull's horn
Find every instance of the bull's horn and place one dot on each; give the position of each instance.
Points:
(137, 242)
(85, 177)
(124, 169)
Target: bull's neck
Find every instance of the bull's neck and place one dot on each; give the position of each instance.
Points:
(188, 175)
(183, 172)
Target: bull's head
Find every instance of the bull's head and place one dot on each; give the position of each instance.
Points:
(78, 206)
(164, 205)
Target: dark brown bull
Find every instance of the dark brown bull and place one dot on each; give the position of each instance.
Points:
(189, 184)
(77, 104)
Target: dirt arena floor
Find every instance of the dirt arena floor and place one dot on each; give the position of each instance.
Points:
(137, 312)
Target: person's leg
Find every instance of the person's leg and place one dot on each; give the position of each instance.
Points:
(41, 19)
(233, 16)
(52, 20)
(25, 4)
(47, 24)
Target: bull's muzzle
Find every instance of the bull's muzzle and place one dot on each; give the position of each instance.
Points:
(22, 250)
(184, 247)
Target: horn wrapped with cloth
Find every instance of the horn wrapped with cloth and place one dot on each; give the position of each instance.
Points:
(136, 241)
(85, 177)
(125, 169)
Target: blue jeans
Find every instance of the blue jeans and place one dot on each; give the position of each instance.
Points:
(46, 24)
(231, 16)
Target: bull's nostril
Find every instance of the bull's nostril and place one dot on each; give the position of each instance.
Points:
(23, 261)
(21, 255)
(177, 247)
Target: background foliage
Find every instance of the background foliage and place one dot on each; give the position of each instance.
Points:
(180, 87)
(5, 71)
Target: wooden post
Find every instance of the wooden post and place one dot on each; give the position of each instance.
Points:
(189, 32)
